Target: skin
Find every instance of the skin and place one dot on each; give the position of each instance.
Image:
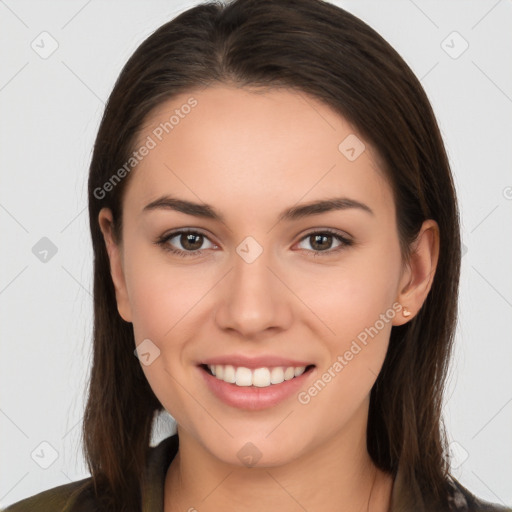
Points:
(251, 154)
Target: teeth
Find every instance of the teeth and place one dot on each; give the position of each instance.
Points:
(243, 377)
(229, 374)
(289, 373)
(261, 377)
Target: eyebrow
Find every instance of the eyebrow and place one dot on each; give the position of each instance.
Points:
(290, 214)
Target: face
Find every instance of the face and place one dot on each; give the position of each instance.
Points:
(251, 291)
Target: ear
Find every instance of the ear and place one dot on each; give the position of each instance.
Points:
(114, 249)
(419, 272)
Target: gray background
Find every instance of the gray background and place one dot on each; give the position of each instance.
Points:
(50, 111)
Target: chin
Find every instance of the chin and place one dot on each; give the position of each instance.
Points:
(255, 449)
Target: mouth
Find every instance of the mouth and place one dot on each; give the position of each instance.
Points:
(262, 377)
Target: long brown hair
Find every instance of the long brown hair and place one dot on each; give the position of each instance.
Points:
(317, 48)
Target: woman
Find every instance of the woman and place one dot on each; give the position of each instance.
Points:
(276, 235)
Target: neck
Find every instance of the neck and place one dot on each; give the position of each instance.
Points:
(337, 475)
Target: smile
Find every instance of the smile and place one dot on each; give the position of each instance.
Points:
(259, 377)
(256, 388)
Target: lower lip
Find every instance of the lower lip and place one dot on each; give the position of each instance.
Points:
(252, 397)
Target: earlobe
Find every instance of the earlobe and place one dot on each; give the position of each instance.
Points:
(105, 221)
(417, 280)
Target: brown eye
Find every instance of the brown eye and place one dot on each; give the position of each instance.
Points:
(322, 242)
(191, 241)
(184, 243)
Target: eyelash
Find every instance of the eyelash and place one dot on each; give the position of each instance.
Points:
(163, 242)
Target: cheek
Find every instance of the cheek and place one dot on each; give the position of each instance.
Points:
(162, 298)
(350, 297)
(360, 314)
(354, 302)
(160, 294)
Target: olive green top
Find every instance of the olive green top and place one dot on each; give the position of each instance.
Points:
(403, 499)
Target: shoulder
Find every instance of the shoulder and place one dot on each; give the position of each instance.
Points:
(79, 496)
(72, 497)
(462, 500)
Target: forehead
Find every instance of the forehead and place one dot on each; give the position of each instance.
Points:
(249, 149)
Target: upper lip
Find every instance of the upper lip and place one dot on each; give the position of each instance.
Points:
(264, 361)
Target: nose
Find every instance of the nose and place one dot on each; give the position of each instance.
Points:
(252, 300)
